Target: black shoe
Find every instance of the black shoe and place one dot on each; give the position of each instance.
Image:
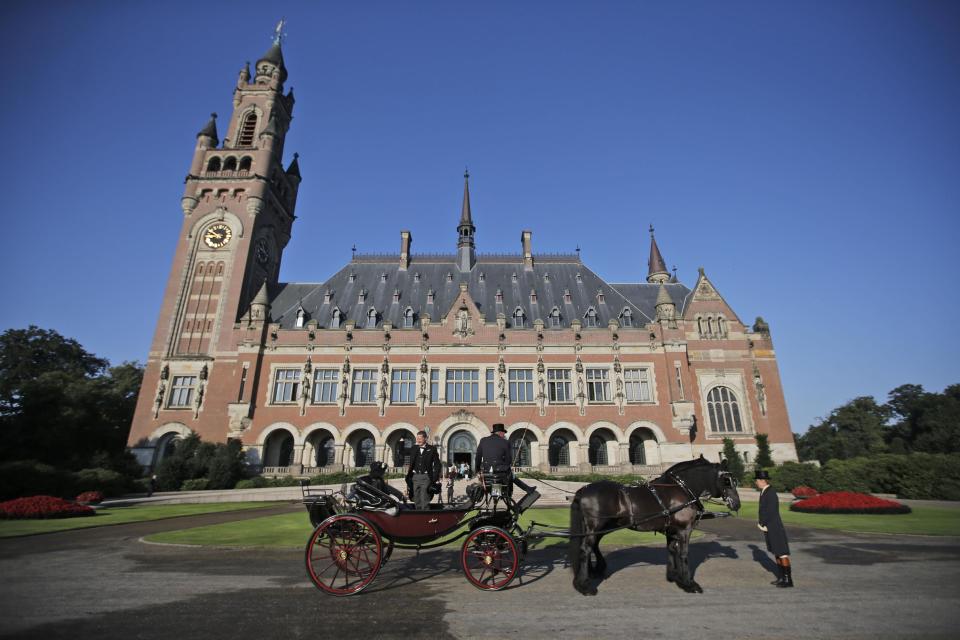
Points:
(787, 581)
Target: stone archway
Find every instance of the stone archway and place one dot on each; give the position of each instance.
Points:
(278, 449)
(461, 448)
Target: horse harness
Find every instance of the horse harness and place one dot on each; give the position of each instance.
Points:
(665, 512)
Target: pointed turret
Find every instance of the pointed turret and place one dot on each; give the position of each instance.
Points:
(666, 308)
(270, 61)
(294, 169)
(466, 251)
(260, 305)
(657, 267)
(210, 131)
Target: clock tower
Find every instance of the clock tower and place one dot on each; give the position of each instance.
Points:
(238, 210)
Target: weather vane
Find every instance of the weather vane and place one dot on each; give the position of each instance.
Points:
(278, 33)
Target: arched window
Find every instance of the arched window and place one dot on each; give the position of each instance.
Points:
(597, 451)
(245, 163)
(247, 129)
(335, 319)
(301, 316)
(520, 451)
(722, 327)
(371, 318)
(700, 326)
(213, 164)
(364, 452)
(559, 451)
(555, 318)
(230, 164)
(590, 318)
(408, 318)
(710, 329)
(724, 410)
(325, 452)
(518, 318)
(626, 318)
(638, 451)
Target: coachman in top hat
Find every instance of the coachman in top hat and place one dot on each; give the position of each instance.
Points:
(768, 520)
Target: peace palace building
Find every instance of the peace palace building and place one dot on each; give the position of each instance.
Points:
(311, 378)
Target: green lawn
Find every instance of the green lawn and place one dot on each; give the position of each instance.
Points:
(929, 521)
(122, 515)
(292, 531)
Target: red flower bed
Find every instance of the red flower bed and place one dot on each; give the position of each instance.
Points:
(848, 502)
(803, 491)
(90, 497)
(42, 507)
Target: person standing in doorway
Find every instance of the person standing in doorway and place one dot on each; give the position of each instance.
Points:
(423, 472)
(768, 520)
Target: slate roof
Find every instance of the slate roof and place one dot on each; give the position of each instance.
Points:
(379, 276)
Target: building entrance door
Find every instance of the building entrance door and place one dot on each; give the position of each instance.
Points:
(462, 448)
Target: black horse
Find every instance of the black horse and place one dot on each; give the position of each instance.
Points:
(670, 504)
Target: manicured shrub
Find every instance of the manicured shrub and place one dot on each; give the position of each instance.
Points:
(29, 477)
(36, 507)
(793, 474)
(107, 481)
(257, 482)
(854, 474)
(848, 502)
(194, 484)
(803, 491)
(90, 497)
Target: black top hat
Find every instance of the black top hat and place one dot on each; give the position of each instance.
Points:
(498, 427)
(761, 474)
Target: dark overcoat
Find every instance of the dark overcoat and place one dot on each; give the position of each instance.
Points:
(769, 517)
(493, 451)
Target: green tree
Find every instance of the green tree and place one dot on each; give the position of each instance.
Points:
(764, 459)
(734, 461)
(852, 430)
(925, 422)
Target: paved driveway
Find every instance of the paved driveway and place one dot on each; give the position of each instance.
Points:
(103, 583)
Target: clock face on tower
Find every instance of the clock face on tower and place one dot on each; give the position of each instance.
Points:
(217, 236)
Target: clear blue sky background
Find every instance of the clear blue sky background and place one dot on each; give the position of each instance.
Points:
(806, 154)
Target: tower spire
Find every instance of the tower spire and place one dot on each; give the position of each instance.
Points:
(466, 252)
(657, 267)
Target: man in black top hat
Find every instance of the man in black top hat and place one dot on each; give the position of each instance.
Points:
(424, 471)
(768, 520)
(493, 455)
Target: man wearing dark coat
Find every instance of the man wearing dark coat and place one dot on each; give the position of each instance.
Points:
(768, 520)
(493, 455)
(424, 471)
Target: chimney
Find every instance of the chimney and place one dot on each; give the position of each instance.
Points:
(405, 240)
(527, 249)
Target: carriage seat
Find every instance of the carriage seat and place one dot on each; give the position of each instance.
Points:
(373, 499)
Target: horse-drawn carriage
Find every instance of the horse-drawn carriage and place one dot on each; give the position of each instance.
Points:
(355, 534)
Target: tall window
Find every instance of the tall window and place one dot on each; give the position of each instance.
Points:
(247, 129)
(286, 385)
(518, 319)
(364, 386)
(434, 386)
(371, 319)
(590, 318)
(555, 318)
(637, 382)
(724, 410)
(463, 386)
(403, 386)
(335, 319)
(521, 385)
(324, 386)
(638, 450)
(679, 381)
(491, 394)
(598, 385)
(558, 385)
(559, 451)
(181, 391)
(520, 452)
(597, 450)
(408, 318)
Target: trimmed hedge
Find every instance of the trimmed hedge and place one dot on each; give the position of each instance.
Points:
(848, 502)
(30, 478)
(916, 476)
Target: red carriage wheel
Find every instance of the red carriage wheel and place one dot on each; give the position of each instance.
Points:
(490, 558)
(344, 554)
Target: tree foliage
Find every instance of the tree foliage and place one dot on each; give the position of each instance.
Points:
(764, 459)
(734, 461)
(62, 405)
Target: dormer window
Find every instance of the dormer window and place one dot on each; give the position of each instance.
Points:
(352, 277)
(533, 296)
(499, 296)
(362, 296)
(396, 295)
(514, 277)
(327, 296)
(408, 318)
(555, 318)
(579, 278)
(566, 296)
(590, 318)
(416, 277)
(335, 319)
(626, 318)
(482, 277)
(518, 318)
(430, 296)
(449, 277)
(383, 277)
(371, 318)
(600, 296)
(546, 277)
(301, 317)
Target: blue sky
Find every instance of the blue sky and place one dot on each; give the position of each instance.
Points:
(806, 154)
